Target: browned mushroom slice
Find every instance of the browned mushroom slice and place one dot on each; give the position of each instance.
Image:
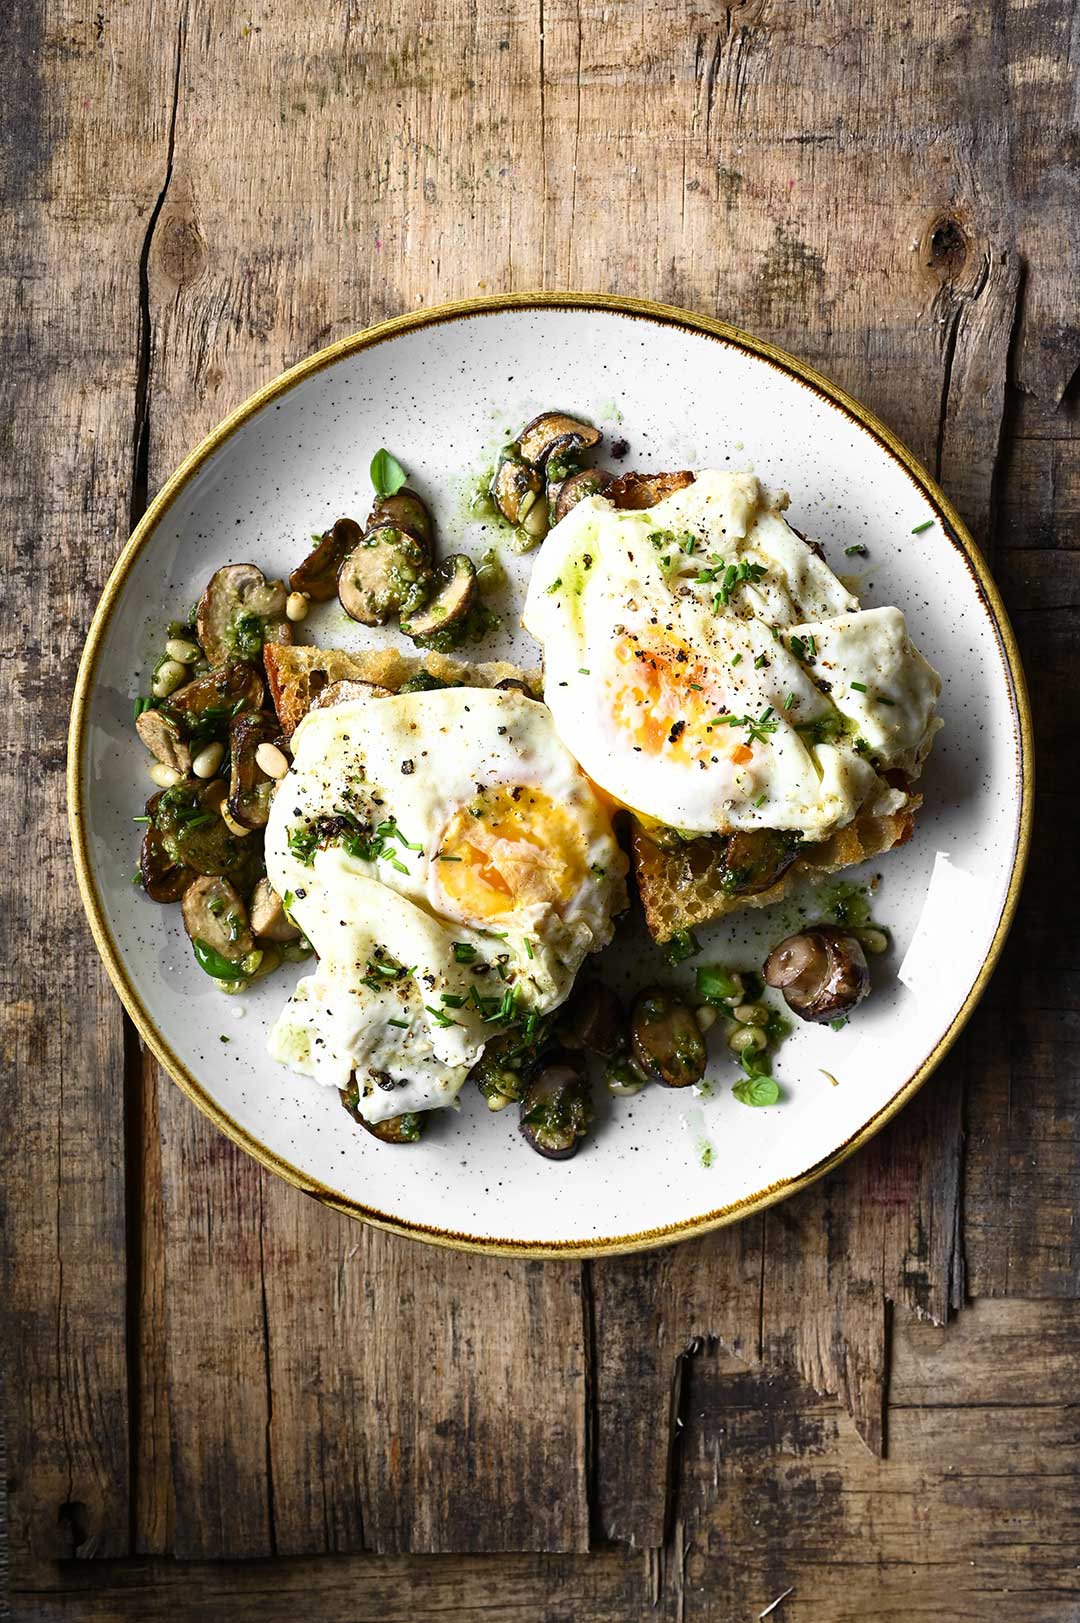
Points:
(665, 1039)
(455, 593)
(239, 612)
(387, 573)
(317, 576)
(821, 972)
(404, 1129)
(553, 432)
(163, 880)
(405, 510)
(203, 708)
(349, 688)
(268, 916)
(556, 1109)
(588, 482)
(194, 834)
(250, 788)
(591, 1019)
(515, 489)
(753, 861)
(161, 735)
(635, 491)
(215, 916)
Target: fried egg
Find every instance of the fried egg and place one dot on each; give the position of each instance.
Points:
(452, 867)
(710, 672)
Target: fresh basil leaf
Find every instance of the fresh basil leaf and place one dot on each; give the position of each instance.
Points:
(387, 474)
(757, 1090)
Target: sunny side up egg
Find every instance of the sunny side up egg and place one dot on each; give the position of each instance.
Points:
(710, 672)
(452, 867)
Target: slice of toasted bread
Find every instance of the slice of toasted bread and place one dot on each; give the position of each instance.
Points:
(682, 888)
(297, 675)
(635, 491)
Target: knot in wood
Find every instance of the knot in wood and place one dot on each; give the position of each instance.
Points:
(947, 247)
(182, 250)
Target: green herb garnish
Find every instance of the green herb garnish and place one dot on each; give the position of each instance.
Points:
(387, 474)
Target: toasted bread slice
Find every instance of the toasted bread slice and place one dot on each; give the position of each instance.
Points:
(682, 888)
(635, 491)
(297, 675)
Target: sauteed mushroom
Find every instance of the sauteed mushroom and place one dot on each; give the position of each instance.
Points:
(455, 593)
(665, 1039)
(405, 511)
(557, 1108)
(215, 916)
(203, 708)
(161, 735)
(821, 971)
(250, 788)
(591, 1019)
(317, 576)
(753, 861)
(239, 612)
(554, 433)
(516, 488)
(163, 879)
(386, 573)
(268, 916)
(195, 836)
(403, 1129)
(587, 482)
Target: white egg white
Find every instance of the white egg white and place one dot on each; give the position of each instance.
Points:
(411, 983)
(710, 672)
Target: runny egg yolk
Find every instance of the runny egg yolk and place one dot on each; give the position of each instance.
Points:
(509, 848)
(665, 698)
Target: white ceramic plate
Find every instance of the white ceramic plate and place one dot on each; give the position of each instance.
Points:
(443, 389)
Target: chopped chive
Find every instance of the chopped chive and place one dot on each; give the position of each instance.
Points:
(881, 699)
(759, 662)
(528, 947)
(760, 801)
(737, 659)
(919, 528)
(402, 1025)
(443, 858)
(857, 551)
(789, 701)
(860, 687)
(464, 952)
(584, 671)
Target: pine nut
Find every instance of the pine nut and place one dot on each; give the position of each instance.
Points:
(747, 1037)
(751, 1014)
(230, 822)
(271, 760)
(184, 652)
(497, 1101)
(706, 1017)
(163, 775)
(170, 675)
(873, 940)
(297, 606)
(208, 760)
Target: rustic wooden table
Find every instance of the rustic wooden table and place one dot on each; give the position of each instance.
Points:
(862, 1400)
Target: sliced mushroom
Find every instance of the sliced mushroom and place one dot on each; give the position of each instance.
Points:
(317, 576)
(250, 788)
(455, 593)
(240, 611)
(557, 1108)
(161, 735)
(515, 489)
(268, 916)
(404, 1129)
(665, 1039)
(204, 708)
(822, 973)
(587, 482)
(406, 511)
(387, 573)
(515, 684)
(349, 688)
(215, 915)
(635, 491)
(553, 433)
(753, 861)
(591, 1019)
(195, 835)
(163, 879)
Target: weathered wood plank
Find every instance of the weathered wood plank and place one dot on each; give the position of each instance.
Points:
(69, 320)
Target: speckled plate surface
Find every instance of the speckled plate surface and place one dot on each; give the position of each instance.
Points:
(442, 389)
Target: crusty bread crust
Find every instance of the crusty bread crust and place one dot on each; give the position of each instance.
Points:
(681, 888)
(297, 675)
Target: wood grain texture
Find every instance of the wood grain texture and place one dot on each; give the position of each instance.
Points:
(69, 325)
